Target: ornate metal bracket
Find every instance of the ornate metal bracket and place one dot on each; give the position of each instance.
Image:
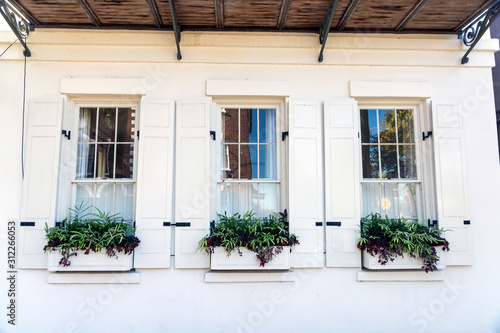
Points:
(324, 30)
(19, 25)
(472, 33)
(176, 27)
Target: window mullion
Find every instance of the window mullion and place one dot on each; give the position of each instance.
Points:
(115, 143)
(96, 141)
(397, 141)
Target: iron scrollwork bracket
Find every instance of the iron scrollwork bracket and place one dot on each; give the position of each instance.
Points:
(176, 27)
(324, 30)
(472, 33)
(19, 25)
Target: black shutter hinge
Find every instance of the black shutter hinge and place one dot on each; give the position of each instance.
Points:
(284, 135)
(212, 134)
(319, 224)
(27, 224)
(334, 224)
(178, 224)
(67, 134)
(138, 135)
(467, 222)
(429, 133)
(432, 223)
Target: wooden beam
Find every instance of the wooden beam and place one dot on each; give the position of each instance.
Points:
(411, 15)
(155, 12)
(25, 12)
(347, 14)
(283, 13)
(219, 17)
(469, 18)
(90, 13)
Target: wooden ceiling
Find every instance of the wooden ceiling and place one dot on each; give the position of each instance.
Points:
(364, 16)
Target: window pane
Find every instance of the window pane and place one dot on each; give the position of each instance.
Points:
(85, 161)
(106, 129)
(124, 200)
(394, 200)
(268, 199)
(388, 157)
(248, 125)
(230, 162)
(86, 126)
(267, 126)
(406, 132)
(105, 160)
(370, 161)
(407, 162)
(230, 125)
(387, 126)
(249, 162)
(267, 162)
(407, 195)
(126, 125)
(369, 129)
(229, 199)
(371, 198)
(124, 161)
(104, 197)
(85, 193)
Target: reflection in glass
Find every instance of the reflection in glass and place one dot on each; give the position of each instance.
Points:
(248, 129)
(388, 157)
(230, 125)
(390, 199)
(230, 161)
(261, 198)
(267, 125)
(370, 161)
(369, 127)
(105, 160)
(407, 162)
(267, 162)
(387, 126)
(405, 126)
(87, 125)
(249, 162)
(126, 128)
(106, 128)
(124, 161)
(85, 161)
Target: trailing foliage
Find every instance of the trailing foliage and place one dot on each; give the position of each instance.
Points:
(84, 231)
(265, 236)
(389, 238)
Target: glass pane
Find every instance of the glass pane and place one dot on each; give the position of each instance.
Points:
(407, 162)
(371, 199)
(393, 200)
(126, 125)
(105, 160)
(389, 200)
(85, 161)
(104, 197)
(229, 199)
(248, 125)
(86, 126)
(406, 132)
(268, 199)
(85, 193)
(124, 161)
(388, 157)
(249, 162)
(230, 125)
(124, 200)
(387, 126)
(249, 198)
(267, 126)
(369, 129)
(106, 129)
(407, 194)
(230, 161)
(370, 161)
(267, 162)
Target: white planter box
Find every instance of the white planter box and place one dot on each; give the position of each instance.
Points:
(248, 261)
(94, 261)
(371, 262)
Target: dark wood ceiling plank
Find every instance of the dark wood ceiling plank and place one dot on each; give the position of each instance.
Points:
(155, 12)
(90, 13)
(283, 14)
(411, 15)
(347, 14)
(25, 12)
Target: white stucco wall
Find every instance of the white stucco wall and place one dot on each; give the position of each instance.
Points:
(320, 300)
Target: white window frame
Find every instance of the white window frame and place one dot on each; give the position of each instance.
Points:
(426, 207)
(68, 163)
(281, 148)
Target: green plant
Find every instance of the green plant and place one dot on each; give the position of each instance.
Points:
(389, 238)
(265, 236)
(84, 231)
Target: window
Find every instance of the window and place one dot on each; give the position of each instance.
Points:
(249, 157)
(105, 159)
(391, 177)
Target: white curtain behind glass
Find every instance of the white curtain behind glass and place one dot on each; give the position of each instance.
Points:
(83, 149)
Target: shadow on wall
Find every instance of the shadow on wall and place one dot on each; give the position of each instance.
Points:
(495, 33)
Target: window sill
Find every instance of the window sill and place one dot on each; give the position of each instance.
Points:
(131, 277)
(400, 276)
(249, 276)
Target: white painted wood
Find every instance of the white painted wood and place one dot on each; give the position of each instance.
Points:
(379, 89)
(406, 262)
(94, 261)
(155, 183)
(192, 181)
(103, 86)
(451, 181)
(305, 182)
(219, 260)
(41, 166)
(342, 198)
(247, 88)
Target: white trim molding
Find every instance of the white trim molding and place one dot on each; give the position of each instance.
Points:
(380, 89)
(248, 88)
(103, 86)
